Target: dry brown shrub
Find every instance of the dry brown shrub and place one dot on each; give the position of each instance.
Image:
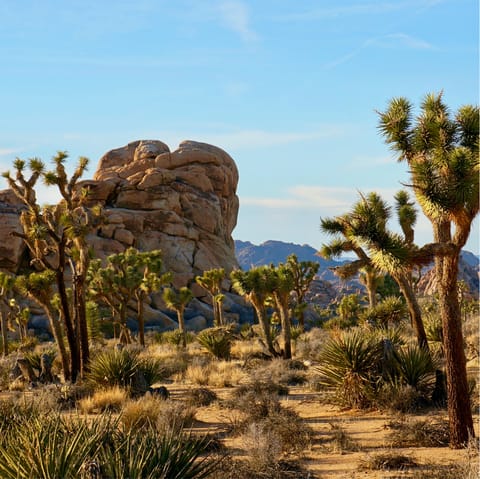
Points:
(386, 461)
(419, 433)
(111, 399)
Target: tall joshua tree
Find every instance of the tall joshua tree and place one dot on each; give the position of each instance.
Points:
(303, 273)
(442, 154)
(177, 301)
(55, 236)
(211, 281)
(256, 286)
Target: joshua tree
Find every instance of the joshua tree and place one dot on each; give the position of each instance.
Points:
(177, 301)
(281, 284)
(255, 285)
(39, 287)
(344, 240)
(303, 273)
(7, 282)
(55, 236)
(442, 154)
(211, 281)
(389, 252)
(127, 276)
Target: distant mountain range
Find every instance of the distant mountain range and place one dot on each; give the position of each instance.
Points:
(250, 255)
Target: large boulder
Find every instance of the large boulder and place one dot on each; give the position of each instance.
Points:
(182, 202)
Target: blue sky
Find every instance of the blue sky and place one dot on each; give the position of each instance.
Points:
(288, 87)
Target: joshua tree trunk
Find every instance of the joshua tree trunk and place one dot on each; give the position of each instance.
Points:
(141, 322)
(458, 400)
(413, 310)
(58, 336)
(370, 284)
(3, 318)
(181, 326)
(267, 334)
(72, 372)
(282, 305)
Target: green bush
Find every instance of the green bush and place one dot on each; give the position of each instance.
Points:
(123, 368)
(174, 337)
(217, 341)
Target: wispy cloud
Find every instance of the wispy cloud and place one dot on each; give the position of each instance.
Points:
(368, 8)
(235, 15)
(329, 200)
(389, 41)
(244, 139)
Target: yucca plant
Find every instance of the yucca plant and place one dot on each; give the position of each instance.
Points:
(152, 455)
(415, 367)
(49, 447)
(350, 363)
(122, 368)
(217, 341)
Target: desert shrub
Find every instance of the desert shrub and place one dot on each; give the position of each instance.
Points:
(433, 327)
(398, 397)
(217, 341)
(287, 372)
(110, 399)
(340, 441)
(174, 416)
(200, 397)
(249, 469)
(141, 413)
(258, 387)
(174, 337)
(390, 311)
(125, 369)
(419, 433)
(216, 374)
(349, 362)
(385, 461)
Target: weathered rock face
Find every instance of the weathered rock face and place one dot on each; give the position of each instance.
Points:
(11, 246)
(182, 202)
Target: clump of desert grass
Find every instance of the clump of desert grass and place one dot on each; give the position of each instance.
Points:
(218, 374)
(246, 349)
(109, 399)
(162, 414)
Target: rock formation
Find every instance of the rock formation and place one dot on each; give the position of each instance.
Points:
(182, 202)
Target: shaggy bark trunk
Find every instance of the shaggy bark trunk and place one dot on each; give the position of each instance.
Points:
(370, 283)
(3, 317)
(458, 400)
(69, 328)
(141, 322)
(282, 305)
(181, 327)
(58, 336)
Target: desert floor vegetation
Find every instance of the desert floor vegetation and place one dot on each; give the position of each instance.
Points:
(242, 417)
